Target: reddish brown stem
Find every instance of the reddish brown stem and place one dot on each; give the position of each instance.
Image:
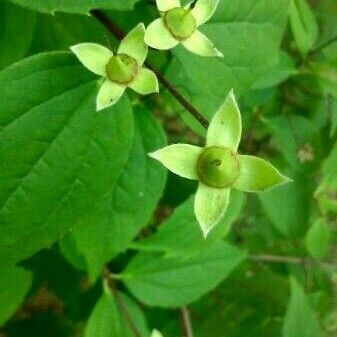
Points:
(186, 324)
(120, 304)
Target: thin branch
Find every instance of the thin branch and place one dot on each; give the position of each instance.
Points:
(250, 133)
(277, 259)
(186, 324)
(105, 21)
(179, 97)
(292, 260)
(120, 303)
(119, 34)
(324, 45)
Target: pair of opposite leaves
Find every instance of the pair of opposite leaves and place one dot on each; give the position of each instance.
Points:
(218, 167)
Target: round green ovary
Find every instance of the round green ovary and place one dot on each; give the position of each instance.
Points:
(180, 22)
(217, 167)
(121, 69)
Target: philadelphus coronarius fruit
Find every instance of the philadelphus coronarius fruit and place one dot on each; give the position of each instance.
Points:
(121, 70)
(218, 166)
(180, 25)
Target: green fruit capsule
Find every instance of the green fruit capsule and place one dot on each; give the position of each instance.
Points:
(180, 22)
(218, 167)
(122, 69)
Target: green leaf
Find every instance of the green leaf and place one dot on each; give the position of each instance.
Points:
(318, 239)
(247, 304)
(291, 216)
(58, 157)
(173, 282)
(14, 40)
(293, 133)
(14, 285)
(284, 69)
(180, 235)
(108, 317)
(300, 319)
(333, 129)
(127, 207)
(206, 81)
(62, 30)
(326, 76)
(75, 6)
(303, 25)
(326, 191)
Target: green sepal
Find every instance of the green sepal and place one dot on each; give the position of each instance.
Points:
(166, 5)
(318, 239)
(133, 44)
(204, 10)
(181, 159)
(225, 127)
(93, 56)
(199, 44)
(145, 82)
(257, 175)
(156, 333)
(159, 37)
(210, 205)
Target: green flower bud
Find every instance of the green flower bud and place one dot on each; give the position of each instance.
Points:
(122, 69)
(180, 22)
(218, 167)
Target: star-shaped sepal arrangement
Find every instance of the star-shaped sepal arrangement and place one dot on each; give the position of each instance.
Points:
(219, 167)
(180, 25)
(121, 70)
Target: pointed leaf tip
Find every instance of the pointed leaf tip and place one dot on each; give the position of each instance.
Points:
(300, 318)
(141, 26)
(219, 53)
(232, 94)
(152, 155)
(206, 231)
